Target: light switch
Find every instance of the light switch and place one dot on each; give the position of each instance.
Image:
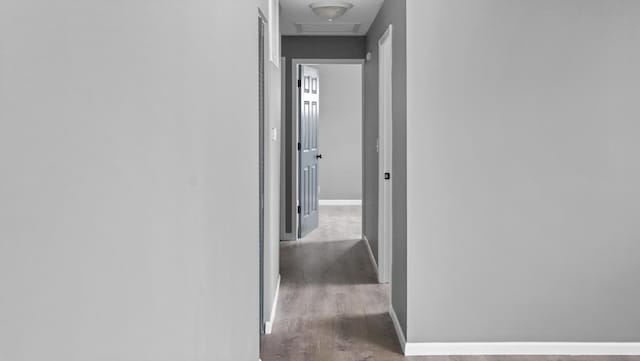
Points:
(274, 134)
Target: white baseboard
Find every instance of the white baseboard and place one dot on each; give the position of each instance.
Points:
(268, 326)
(512, 348)
(399, 333)
(371, 257)
(521, 348)
(340, 202)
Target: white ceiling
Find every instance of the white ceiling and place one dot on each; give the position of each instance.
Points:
(356, 21)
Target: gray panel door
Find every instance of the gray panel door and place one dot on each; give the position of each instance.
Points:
(309, 93)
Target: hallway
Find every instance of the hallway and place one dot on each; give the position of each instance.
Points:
(330, 306)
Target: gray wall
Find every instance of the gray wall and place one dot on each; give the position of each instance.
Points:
(127, 231)
(392, 12)
(523, 198)
(340, 131)
(307, 47)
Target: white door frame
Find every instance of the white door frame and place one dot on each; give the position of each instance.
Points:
(295, 62)
(385, 121)
(283, 153)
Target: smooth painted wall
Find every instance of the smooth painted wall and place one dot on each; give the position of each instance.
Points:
(522, 143)
(128, 231)
(392, 12)
(340, 132)
(306, 47)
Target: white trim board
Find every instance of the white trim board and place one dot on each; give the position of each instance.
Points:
(512, 348)
(268, 325)
(522, 348)
(399, 333)
(385, 155)
(371, 257)
(340, 202)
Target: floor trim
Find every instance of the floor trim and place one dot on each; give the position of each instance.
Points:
(371, 257)
(268, 326)
(340, 202)
(512, 348)
(399, 333)
(520, 348)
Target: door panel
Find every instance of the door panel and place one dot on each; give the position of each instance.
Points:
(309, 95)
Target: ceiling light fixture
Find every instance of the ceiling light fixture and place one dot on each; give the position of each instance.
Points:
(330, 9)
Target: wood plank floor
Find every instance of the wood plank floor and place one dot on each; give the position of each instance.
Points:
(331, 308)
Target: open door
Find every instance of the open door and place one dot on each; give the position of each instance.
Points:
(309, 93)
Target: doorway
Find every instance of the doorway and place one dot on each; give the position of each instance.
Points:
(319, 270)
(327, 139)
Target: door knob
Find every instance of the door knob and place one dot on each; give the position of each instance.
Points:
(319, 156)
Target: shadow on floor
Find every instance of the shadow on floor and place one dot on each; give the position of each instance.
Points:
(327, 263)
(369, 331)
(339, 338)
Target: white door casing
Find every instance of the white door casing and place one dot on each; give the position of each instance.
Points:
(385, 146)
